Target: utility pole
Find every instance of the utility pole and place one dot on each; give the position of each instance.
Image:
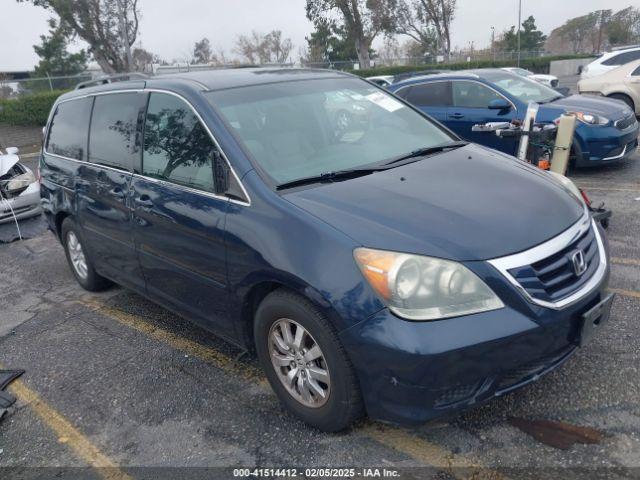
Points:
(493, 42)
(519, 27)
(124, 32)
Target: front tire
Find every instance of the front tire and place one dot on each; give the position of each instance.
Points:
(305, 362)
(79, 259)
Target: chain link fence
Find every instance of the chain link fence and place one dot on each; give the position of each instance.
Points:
(454, 57)
(14, 88)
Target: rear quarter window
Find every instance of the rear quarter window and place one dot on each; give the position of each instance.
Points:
(115, 134)
(623, 58)
(68, 130)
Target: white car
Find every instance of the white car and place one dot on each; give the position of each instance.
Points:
(19, 189)
(382, 80)
(610, 60)
(548, 80)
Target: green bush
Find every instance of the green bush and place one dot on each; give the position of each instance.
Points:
(32, 110)
(536, 65)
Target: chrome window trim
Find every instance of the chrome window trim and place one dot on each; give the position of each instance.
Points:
(470, 79)
(246, 203)
(548, 248)
(151, 179)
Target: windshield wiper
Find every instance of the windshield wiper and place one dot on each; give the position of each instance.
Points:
(421, 152)
(330, 177)
(359, 172)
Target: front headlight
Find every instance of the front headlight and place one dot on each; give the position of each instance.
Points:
(19, 182)
(591, 119)
(424, 288)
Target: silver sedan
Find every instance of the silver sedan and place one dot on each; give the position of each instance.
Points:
(19, 189)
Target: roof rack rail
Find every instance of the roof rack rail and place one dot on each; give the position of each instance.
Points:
(120, 77)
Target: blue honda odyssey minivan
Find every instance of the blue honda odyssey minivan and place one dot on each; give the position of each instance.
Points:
(374, 262)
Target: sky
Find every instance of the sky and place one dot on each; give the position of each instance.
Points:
(169, 28)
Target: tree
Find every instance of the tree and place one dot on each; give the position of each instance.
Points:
(362, 20)
(623, 27)
(55, 59)
(531, 39)
(413, 20)
(579, 32)
(202, 51)
(259, 48)
(330, 43)
(110, 27)
(144, 59)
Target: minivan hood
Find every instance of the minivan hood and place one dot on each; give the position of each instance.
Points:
(471, 203)
(605, 107)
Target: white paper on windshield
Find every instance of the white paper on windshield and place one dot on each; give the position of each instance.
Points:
(384, 101)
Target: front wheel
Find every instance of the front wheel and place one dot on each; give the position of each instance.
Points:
(305, 362)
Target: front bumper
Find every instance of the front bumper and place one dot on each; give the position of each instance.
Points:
(600, 145)
(412, 372)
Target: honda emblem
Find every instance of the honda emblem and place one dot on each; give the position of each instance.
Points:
(579, 263)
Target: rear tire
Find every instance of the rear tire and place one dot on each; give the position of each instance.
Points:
(315, 362)
(624, 98)
(79, 260)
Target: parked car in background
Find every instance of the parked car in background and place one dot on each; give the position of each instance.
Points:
(392, 269)
(19, 188)
(548, 80)
(622, 83)
(610, 60)
(382, 80)
(606, 131)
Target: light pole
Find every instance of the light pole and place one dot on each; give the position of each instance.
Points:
(493, 42)
(519, 26)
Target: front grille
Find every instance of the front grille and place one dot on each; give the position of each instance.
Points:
(528, 370)
(626, 122)
(554, 278)
(455, 395)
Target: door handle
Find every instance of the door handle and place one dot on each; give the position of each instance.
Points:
(117, 192)
(456, 115)
(143, 201)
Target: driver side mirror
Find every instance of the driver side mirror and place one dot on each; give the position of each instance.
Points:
(499, 104)
(12, 150)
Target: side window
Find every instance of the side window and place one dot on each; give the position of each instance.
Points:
(177, 147)
(69, 129)
(114, 138)
(433, 94)
(623, 58)
(472, 95)
(636, 72)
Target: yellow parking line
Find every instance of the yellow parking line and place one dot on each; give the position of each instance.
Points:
(415, 447)
(619, 186)
(625, 261)
(68, 434)
(195, 349)
(430, 453)
(625, 293)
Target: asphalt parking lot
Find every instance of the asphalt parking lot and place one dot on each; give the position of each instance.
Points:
(116, 386)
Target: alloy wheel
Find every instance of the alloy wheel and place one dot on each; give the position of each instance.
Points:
(76, 254)
(299, 363)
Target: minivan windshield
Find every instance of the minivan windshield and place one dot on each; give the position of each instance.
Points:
(522, 88)
(309, 128)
